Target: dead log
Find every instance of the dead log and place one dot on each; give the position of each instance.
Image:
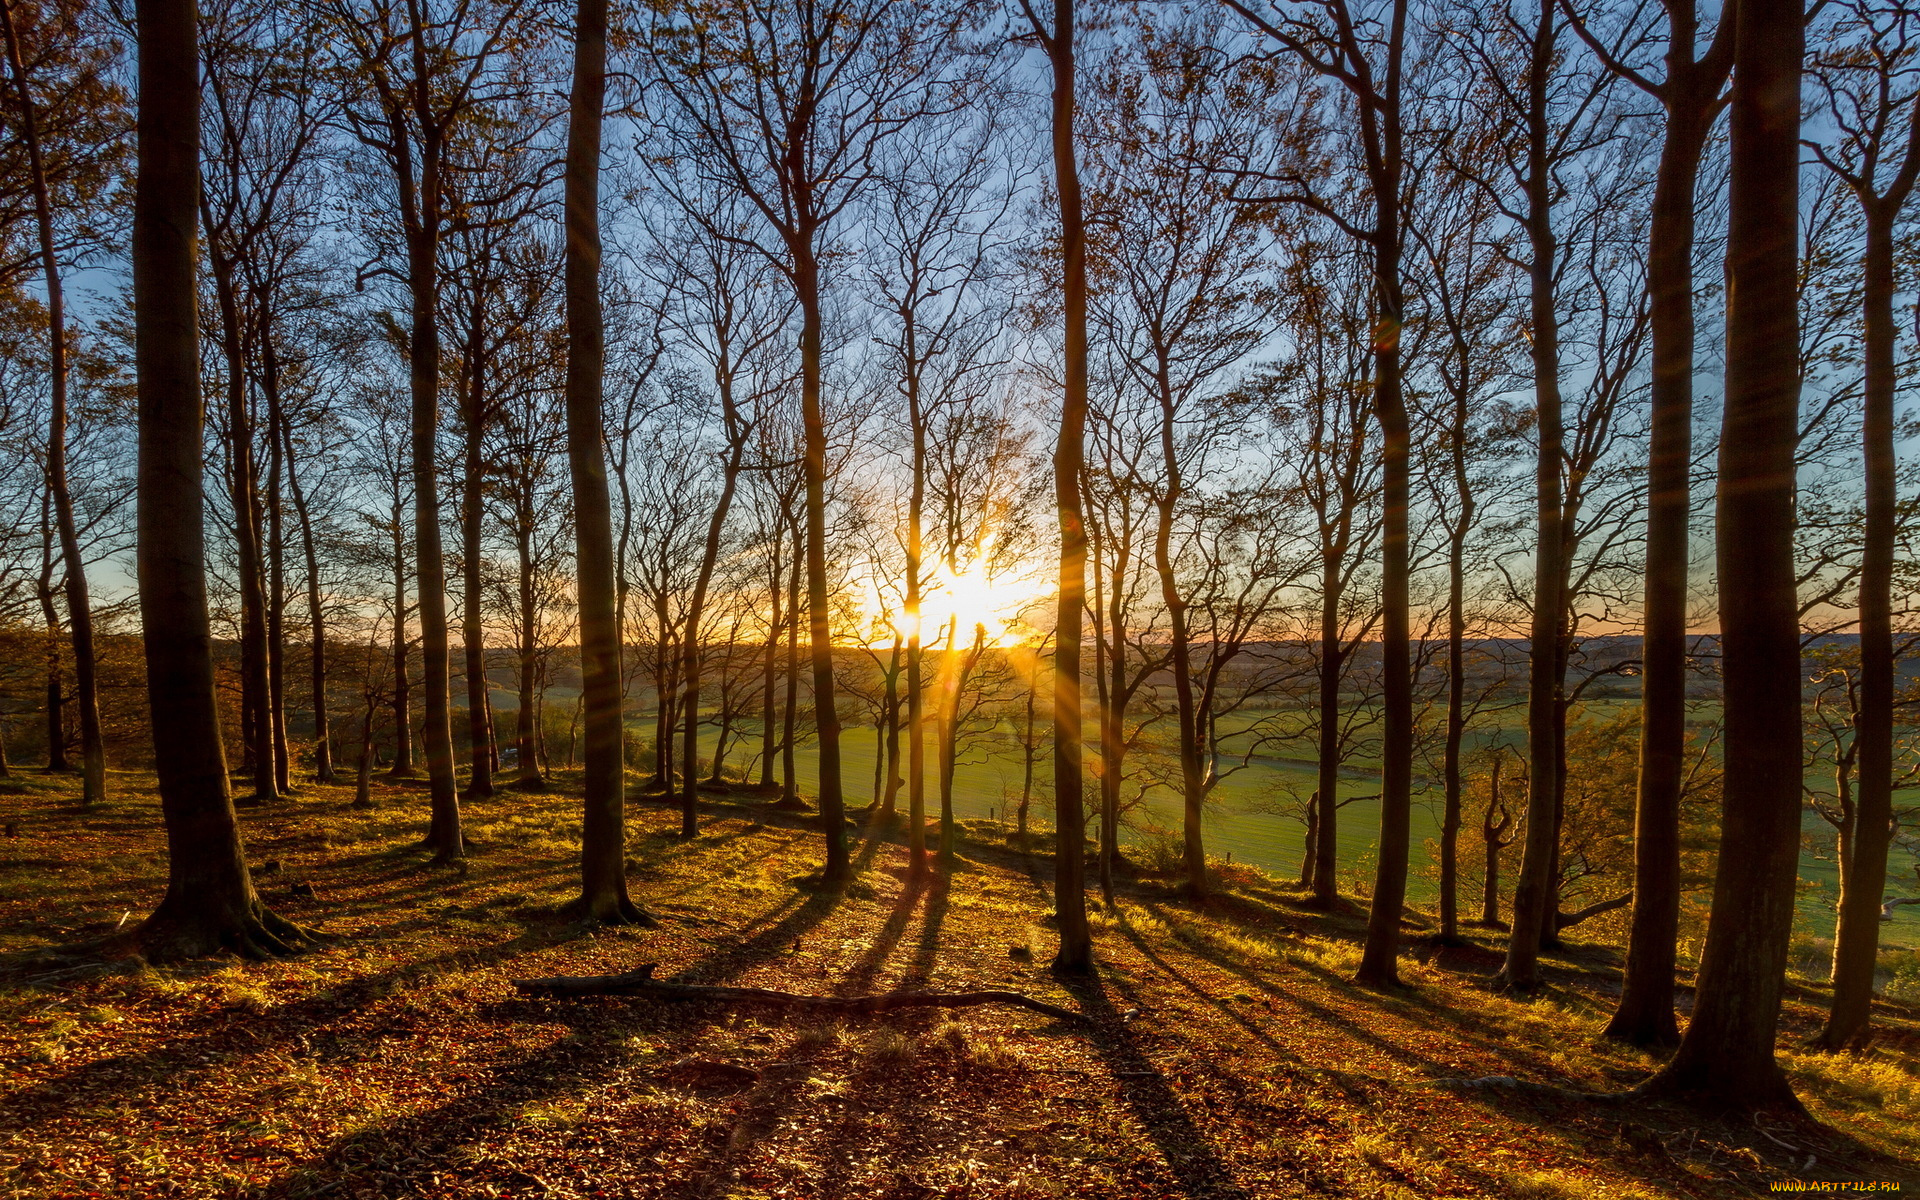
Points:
(640, 982)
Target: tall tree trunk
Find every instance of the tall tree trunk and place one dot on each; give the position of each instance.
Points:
(444, 836)
(56, 692)
(790, 709)
(1727, 1052)
(276, 569)
(1493, 835)
(826, 719)
(1333, 656)
(1070, 869)
(696, 611)
(1534, 904)
(943, 722)
(1456, 686)
(916, 653)
(603, 838)
(527, 720)
(1192, 773)
(890, 797)
(1379, 965)
(1856, 945)
(473, 627)
(316, 619)
(402, 683)
(93, 761)
(769, 740)
(1689, 97)
(245, 494)
(210, 903)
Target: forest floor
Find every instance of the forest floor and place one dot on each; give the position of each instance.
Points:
(1226, 1055)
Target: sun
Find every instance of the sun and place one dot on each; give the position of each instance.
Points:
(1000, 601)
(975, 599)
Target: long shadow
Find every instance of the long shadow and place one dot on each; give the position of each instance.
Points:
(867, 967)
(926, 947)
(1196, 1168)
(176, 1065)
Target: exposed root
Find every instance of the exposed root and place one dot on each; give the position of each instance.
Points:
(620, 912)
(640, 982)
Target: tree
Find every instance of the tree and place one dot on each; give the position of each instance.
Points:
(1070, 820)
(422, 76)
(1691, 97)
(1868, 90)
(830, 83)
(603, 839)
(1185, 292)
(93, 764)
(210, 903)
(1727, 1052)
(1364, 53)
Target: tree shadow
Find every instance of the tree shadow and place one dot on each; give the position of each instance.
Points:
(1197, 1169)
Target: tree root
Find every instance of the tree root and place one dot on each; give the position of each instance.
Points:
(620, 912)
(640, 982)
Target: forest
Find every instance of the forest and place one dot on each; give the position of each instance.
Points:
(959, 598)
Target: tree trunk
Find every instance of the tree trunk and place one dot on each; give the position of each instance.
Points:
(1070, 856)
(1450, 818)
(246, 529)
(93, 762)
(444, 836)
(276, 568)
(402, 684)
(1534, 898)
(1727, 1053)
(1379, 957)
(1493, 835)
(1326, 878)
(526, 725)
(826, 719)
(889, 797)
(603, 839)
(769, 741)
(210, 903)
(56, 696)
(473, 628)
(696, 608)
(1856, 943)
(317, 621)
(1645, 1013)
(1192, 776)
(790, 711)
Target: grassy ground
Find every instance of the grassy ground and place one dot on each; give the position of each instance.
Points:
(1227, 1056)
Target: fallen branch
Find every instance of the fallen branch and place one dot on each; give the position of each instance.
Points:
(1886, 910)
(640, 982)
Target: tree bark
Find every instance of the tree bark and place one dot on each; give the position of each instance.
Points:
(603, 840)
(1535, 897)
(1070, 856)
(210, 903)
(1857, 939)
(473, 628)
(1379, 965)
(316, 619)
(423, 222)
(1727, 1052)
(826, 717)
(93, 762)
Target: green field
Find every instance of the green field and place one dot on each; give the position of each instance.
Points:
(1241, 820)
